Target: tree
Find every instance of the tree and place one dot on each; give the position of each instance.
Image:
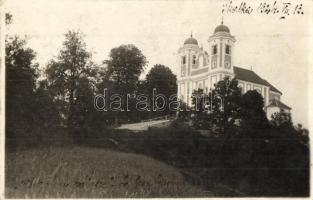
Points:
(252, 113)
(219, 107)
(225, 103)
(302, 133)
(162, 79)
(281, 119)
(200, 114)
(21, 75)
(20, 65)
(72, 77)
(31, 115)
(47, 116)
(124, 67)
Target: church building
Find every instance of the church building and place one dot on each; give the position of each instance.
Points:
(202, 69)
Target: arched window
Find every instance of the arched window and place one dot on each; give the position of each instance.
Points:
(214, 49)
(227, 49)
(194, 59)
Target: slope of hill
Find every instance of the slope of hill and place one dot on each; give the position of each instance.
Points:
(66, 172)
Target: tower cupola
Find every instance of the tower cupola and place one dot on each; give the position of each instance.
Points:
(222, 28)
(222, 48)
(191, 40)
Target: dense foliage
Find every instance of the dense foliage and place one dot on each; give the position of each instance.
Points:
(220, 106)
(160, 81)
(29, 108)
(71, 80)
(276, 150)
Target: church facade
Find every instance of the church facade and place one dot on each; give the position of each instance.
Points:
(202, 69)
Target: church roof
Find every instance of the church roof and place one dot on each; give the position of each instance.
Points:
(277, 103)
(222, 28)
(251, 76)
(272, 88)
(191, 40)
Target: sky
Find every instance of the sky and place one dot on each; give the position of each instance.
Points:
(276, 49)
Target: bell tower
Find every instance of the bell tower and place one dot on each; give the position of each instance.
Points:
(187, 56)
(187, 61)
(221, 45)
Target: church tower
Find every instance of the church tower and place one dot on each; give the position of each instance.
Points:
(221, 45)
(188, 60)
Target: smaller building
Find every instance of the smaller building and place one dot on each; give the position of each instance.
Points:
(276, 106)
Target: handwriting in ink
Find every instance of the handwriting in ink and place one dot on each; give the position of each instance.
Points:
(283, 9)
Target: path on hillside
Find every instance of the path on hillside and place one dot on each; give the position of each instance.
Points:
(142, 126)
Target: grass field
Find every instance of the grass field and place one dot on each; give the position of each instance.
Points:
(161, 162)
(84, 172)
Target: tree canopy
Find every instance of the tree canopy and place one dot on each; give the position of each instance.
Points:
(72, 78)
(228, 91)
(252, 104)
(163, 79)
(21, 74)
(125, 65)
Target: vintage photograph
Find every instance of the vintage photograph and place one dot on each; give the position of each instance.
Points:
(156, 99)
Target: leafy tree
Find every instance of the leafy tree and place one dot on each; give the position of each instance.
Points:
(47, 116)
(219, 107)
(162, 79)
(21, 68)
(254, 140)
(200, 114)
(252, 113)
(124, 67)
(225, 106)
(72, 78)
(302, 133)
(21, 74)
(281, 119)
(30, 111)
(244, 140)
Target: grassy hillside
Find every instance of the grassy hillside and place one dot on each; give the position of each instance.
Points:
(91, 172)
(175, 161)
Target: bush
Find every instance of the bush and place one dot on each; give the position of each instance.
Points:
(273, 159)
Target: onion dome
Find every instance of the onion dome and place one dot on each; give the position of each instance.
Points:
(221, 28)
(191, 40)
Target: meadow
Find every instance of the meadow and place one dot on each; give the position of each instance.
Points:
(85, 172)
(175, 161)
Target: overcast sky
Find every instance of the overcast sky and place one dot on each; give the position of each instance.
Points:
(276, 49)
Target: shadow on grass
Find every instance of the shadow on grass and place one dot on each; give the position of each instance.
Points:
(213, 162)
